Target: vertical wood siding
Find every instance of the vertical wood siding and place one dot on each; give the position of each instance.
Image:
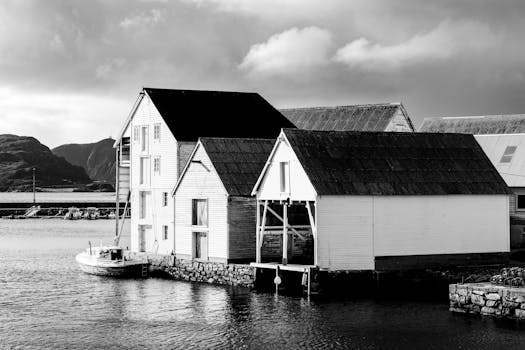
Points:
(242, 224)
(344, 230)
(300, 186)
(147, 115)
(415, 225)
(201, 182)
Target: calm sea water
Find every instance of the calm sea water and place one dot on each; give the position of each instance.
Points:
(47, 303)
(50, 197)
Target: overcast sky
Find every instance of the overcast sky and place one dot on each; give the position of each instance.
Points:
(71, 70)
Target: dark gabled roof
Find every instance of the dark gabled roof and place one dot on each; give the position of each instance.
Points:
(238, 162)
(386, 163)
(480, 125)
(370, 117)
(191, 114)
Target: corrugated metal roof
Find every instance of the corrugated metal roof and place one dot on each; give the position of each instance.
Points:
(477, 125)
(513, 172)
(238, 162)
(191, 114)
(370, 117)
(384, 163)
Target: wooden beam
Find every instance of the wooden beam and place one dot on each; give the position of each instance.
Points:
(257, 235)
(288, 226)
(261, 230)
(285, 234)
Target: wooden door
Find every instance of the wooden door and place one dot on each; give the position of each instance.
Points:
(142, 238)
(201, 245)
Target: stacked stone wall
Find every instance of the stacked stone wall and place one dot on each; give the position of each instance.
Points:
(203, 271)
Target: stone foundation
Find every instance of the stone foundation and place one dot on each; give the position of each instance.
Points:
(202, 271)
(487, 299)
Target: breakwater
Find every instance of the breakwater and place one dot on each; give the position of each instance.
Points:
(203, 271)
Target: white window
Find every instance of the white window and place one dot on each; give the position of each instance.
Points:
(136, 134)
(144, 139)
(156, 165)
(143, 204)
(507, 155)
(165, 232)
(200, 245)
(284, 169)
(164, 199)
(144, 170)
(156, 132)
(199, 212)
(520, 202)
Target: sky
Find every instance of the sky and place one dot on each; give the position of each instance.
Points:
(70, 70)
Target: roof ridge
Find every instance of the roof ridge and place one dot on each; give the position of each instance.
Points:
(200, 90)
(479, 116)
(382, 104)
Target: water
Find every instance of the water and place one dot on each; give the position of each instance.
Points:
(46, 303)
(52, 197)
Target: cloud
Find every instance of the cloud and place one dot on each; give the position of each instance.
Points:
(443, 42)
(292, 51)
(144, 19)
(104, 71)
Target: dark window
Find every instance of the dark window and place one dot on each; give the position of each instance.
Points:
(165, 231)
(164, 199)
(283, 169)
(199, 212)
(520, 202)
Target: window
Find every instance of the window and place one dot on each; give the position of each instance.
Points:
(156, 165)
(200, 245)
(520, 202)
(164, 199)
(156, 132)
(143, 205)
(144, 170)
(144, 139)
(507, 155)
(136, 133)
(199, 212)
(124, 150)
(284, 169)
(165, 232)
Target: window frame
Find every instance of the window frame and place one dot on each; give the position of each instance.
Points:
(156, 165)
(156, 132)
(144, 138)
(165, 232)
(194, 213)
(517, 195)
(284, 177)
(164, 199)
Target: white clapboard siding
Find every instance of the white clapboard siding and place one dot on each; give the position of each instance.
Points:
(344, 229)
(417, 225)
(166, 149)
(300, 186)
(201, 182)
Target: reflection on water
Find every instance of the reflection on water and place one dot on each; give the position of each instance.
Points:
(45, 302)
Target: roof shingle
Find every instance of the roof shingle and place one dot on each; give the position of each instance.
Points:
(480, 125)
(384, 163)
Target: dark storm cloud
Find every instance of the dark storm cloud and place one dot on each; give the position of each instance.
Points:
(88, 59)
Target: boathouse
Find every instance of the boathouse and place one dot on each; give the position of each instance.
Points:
(364, 117)
(214, 209)
(383, 201)
(159, 136)
(502, 137)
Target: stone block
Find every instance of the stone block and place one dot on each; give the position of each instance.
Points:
(485, 310)
(464, 299)
(493, 296)
(478, 292)
(493, 303)
(462, 290)
(510, 304)
(519, 313)
(477, 299)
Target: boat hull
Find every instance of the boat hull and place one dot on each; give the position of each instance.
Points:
(109, 268)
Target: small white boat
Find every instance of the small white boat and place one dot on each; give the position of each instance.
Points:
(110, 261)
(73, 214)
(91, 213)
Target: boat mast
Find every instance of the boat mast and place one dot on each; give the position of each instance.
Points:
(34, 197)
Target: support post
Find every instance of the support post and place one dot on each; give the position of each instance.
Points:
(117, 189)
(257, 235)
(285, 233)
(309, 280)
(313, 224)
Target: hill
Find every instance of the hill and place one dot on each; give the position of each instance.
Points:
(20, 154)
(97, 159)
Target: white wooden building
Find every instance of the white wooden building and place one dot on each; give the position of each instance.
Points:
(502, 138)
(379, 200)
(157, 139)
(214, 209)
